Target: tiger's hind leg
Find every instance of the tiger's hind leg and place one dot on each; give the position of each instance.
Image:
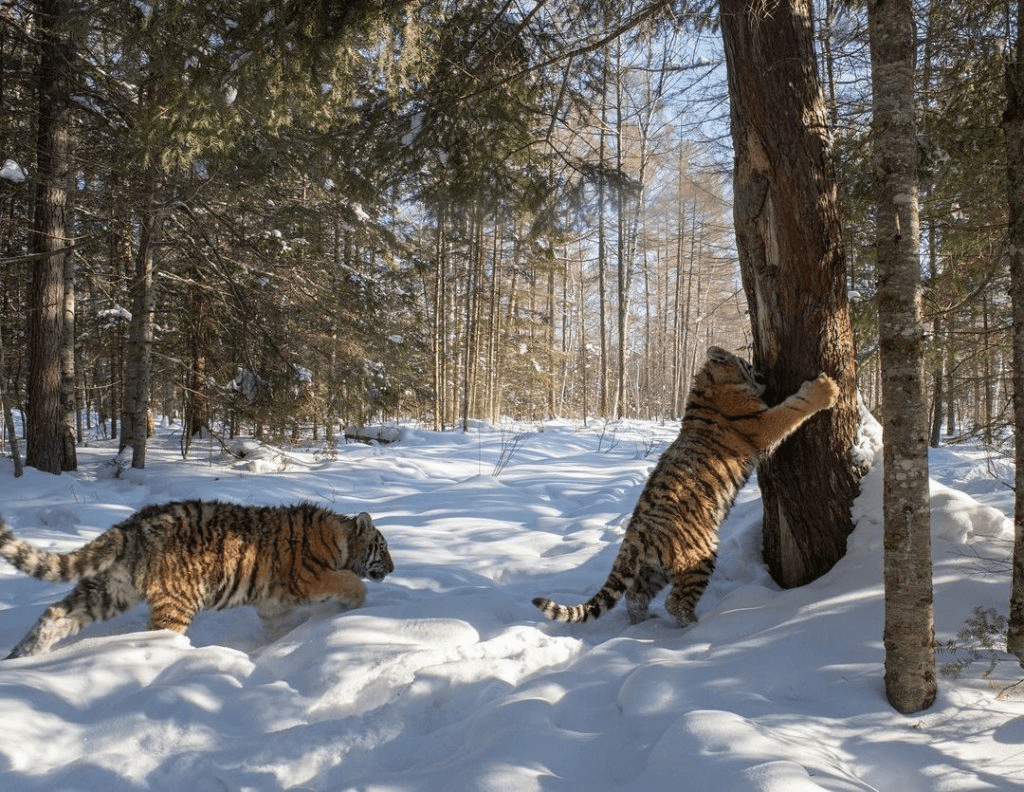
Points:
(687, 587)
(94, 599)
(641, 591)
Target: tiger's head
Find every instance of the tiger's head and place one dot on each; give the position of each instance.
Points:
(371, 549)
(728, 370)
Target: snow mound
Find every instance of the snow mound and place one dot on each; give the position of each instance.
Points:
(957, 517)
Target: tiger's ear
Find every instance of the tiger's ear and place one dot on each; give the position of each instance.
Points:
(718, 355)
(364, 522)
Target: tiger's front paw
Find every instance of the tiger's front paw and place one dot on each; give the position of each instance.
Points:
(821, 392)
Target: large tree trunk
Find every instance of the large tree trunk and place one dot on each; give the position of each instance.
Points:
(47, 444)
(909, 629)
(1013, 129)
(789, 239)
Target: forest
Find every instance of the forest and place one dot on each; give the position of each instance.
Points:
(283, 219)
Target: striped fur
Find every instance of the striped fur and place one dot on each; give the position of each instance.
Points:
(188, 556)
(672, 535)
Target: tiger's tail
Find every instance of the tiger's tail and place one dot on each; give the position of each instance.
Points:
(602, 602)
(91, 559)
(619, 580)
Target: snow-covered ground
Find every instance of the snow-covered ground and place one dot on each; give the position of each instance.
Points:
(448, 679)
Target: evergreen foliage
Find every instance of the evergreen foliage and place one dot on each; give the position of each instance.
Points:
(386, 209)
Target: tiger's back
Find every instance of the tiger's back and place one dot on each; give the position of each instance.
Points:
(672, 534)
(187, 556)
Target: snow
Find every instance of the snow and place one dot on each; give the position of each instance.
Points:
(449, 679)
(12, 171)
(415, 126)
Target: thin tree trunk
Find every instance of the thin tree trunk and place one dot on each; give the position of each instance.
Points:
(474, 267)
(5, 404)
(440, 326)
(950, 369)
(938, 397)
(69, 456)
(622, 272)
(1013, 130)
(793, 265)
(678, 348)
(494, 326)
(602, 255)
(909, 636)
(138, 367)
(549, 332)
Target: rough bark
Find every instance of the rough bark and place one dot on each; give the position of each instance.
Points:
(790, 246)
(909, 636)
(1013, 130)
(68, 406)
(138, 362)
(45, 442)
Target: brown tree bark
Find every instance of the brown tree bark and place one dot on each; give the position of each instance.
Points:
(68, 406)
(46, 442)
(792, 260)
(138, 362)
(909, 635)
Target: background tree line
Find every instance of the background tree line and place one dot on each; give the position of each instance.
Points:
(293, 221)
(449, 211)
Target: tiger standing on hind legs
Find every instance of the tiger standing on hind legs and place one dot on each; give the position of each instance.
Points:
(672, 535)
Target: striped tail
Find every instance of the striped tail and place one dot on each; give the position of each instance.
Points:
(591, 609)
(95, 557)
(619, 580)
(602, 602)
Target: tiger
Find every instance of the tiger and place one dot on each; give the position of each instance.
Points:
(186, 556)
(672, 535)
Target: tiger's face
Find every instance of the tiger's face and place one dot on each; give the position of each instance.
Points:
(729, 370)
(374, 560)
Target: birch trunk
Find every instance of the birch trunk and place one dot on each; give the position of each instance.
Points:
(909, 636)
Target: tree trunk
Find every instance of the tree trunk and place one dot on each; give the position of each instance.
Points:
(68, 409)
(935, 432)
(196, 418)
(622, 273)
(909, 629)
(602, 260)
(439, 326)
(5, 405)
(1013, 129)
(789, 239)
(46, 444)
(138, 365)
